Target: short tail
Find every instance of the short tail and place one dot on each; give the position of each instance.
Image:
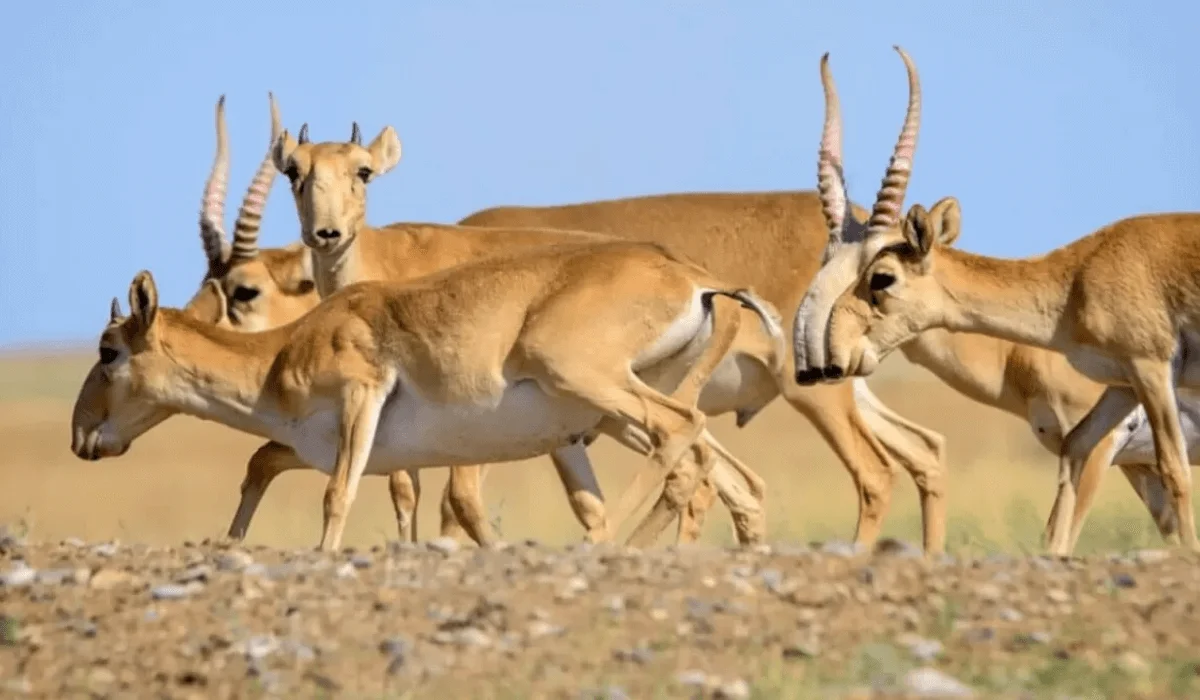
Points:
(772, 323)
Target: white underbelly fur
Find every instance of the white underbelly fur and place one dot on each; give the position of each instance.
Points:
(1135, 443)
(415, 433)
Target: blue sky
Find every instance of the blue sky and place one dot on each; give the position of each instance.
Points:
(1045, 120)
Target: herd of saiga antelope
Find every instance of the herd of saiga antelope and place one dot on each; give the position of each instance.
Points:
(524, 331)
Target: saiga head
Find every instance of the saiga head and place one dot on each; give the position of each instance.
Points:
(245, 287)
(853, 244)
(329, 182)
(115, 403)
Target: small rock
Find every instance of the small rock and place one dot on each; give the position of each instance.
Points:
(541, 628)
(989, 592)
(17, 686)
(1123, 580)
(889, 546)
(443, 545)
(733, 690)
(805, 646)
(299, 650)
(639, 655)
(1058, 595)
(979, 635)
(345, 570)
(615, 604)
(20, 575)
(55, 577)
(473, 637)
(839, 548)
(394, 646)
(200, 573)
(922, 649)
(1037, 637)
(361, 561)
(106, 579)
(1132, 664)
(174, 591)
(73, 542)
(932, 683)
(771, 578)
(1150, 556)
(234, 560)
(107, 549)
(1011, 615)
(102, 676)
(258, 647)
(692, 679)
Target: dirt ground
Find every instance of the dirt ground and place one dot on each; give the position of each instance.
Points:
(101, 597)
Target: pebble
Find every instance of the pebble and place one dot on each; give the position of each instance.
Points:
(1123, 580)
(20, 575)
(1011, 615)
(921, 649)
(1131, 663)
(107, 549)
(541, 628)
(105, 579)
(361, 561)
(473, 637)
(443, 545)
(174, 591)
(931, 683)
(639, 655)
(346, 570)
(733, 690)
(234, 560)
(692, 679)
(839, 548)
(199, 573)
(1150, 556)
(615, 604)
(1058, 595)
(258, 647)
(989, 592)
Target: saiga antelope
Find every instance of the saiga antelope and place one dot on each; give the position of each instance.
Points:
(1035, 384)
(329, 185)
(1122, 304)
(460, 367)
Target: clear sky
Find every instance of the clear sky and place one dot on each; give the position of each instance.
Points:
(1046, 120)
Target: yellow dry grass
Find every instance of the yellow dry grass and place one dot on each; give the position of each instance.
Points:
(181, 480)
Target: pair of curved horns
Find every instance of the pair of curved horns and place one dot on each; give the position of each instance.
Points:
(355, 134)
(249, 220)
(831, 184)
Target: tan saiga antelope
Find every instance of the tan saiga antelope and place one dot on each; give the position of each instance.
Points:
(329, 184)
(1032, 383)
(1122, 304)
(248, 288)
(460, 367)
(243, 290)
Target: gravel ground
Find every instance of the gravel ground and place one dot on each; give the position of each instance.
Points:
(210, 620)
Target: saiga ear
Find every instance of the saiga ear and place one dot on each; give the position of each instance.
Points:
(946, 218)
(282, 151)
(209, 303)
(143, 299)
(385, 151)
(918, 231)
